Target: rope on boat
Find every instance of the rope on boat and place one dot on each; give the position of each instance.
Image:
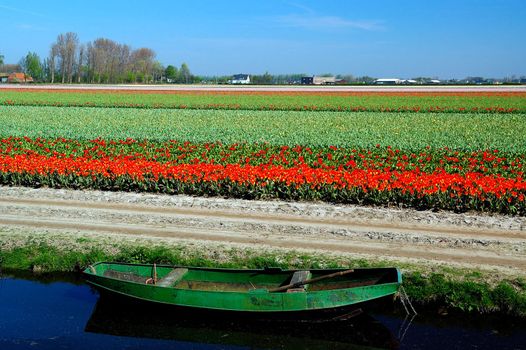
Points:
(404, 327)
(404, 298)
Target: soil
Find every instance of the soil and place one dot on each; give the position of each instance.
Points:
(470, 240)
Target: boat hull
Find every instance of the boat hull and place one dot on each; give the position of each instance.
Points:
(191, 294)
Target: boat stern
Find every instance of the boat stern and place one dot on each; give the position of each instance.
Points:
(399, 275)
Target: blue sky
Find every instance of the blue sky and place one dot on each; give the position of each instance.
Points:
(380, 38)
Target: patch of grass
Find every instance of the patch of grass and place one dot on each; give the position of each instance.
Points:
(520, 282)
(45, 258)
(473, 275)
(466, 295)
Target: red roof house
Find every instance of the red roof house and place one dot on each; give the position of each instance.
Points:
(19, 78)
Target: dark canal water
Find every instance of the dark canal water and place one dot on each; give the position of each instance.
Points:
(61, 312)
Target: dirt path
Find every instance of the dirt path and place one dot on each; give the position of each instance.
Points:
(467, 240)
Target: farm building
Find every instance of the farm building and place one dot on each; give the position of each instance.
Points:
(19, 78)
(240, 79)
(307, 80)
(314, 80)
(3, 77)
(324, 80)
(388, 81)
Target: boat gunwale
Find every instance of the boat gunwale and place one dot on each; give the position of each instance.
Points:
(256, 290)
(269, 270)
(227, 269)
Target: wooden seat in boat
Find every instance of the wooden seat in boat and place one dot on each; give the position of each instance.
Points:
(124, 276)
(297, 277)
(172, 278)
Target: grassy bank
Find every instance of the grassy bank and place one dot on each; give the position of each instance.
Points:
(468, 291)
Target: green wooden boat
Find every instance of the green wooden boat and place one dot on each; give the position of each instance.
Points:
(265, 291)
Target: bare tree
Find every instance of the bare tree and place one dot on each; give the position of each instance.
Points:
(157, 71)
(80, 62)
(67, 45)
(9, 68)
(53, 53)
(103, 57)
(61, 55)
(185, 73)
(103, 61)
(110, 62)
(72, 43)
(143, 62)
(125, 70)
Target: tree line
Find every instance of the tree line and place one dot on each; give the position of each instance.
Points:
(106, 61)
(100, 61)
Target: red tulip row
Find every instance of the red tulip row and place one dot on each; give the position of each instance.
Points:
(428, 160)
(435, 190)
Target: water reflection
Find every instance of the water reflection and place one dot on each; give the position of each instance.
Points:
(62, 312)
(126, 319)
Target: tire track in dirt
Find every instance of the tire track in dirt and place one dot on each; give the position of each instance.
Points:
(269, 218)
(381, 250)
(42, 213)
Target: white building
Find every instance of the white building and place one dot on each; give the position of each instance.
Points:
(240, 79)
(388, 81)
(324, 80)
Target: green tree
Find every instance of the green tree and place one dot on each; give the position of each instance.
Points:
(32, 66)
(185, 74)
(157, 72)
(366, 79)
(262, 79)
(1, 60)
(171, 73)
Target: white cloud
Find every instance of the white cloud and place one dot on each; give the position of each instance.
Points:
(19, 10)
(301, 7)
(312, 21)
(28, 27)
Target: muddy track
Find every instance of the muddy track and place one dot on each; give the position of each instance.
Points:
(467, 240)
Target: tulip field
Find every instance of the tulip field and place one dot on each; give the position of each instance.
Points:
(459, 152)
(456, 102)
(409, 131)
